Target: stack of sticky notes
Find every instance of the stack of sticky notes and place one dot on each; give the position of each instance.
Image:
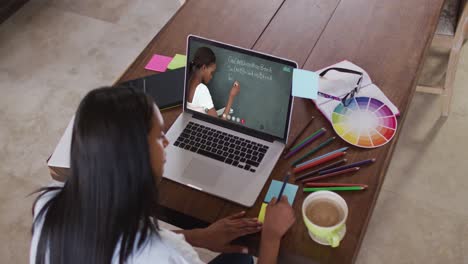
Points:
(161, 63)
(290, 191)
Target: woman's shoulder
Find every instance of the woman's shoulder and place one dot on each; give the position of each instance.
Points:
(201, 87)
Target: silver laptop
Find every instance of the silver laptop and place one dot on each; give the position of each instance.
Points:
(230, 153)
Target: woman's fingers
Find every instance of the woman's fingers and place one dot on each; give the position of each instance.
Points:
(245, 231)
(236, 215)
(246, 222)
(272, 201)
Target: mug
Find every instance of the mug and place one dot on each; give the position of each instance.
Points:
(332, 235)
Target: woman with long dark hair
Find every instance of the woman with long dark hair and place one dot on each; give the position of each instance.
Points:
(106, 211)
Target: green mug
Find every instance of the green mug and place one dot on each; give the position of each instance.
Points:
(331, 235)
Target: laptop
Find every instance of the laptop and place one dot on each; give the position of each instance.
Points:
(230, 153)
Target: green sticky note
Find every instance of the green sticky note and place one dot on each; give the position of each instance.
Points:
(178, 61)
(261, 215)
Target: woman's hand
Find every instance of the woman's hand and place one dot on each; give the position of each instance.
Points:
(218, 236)
(235, 89)
(279, 218)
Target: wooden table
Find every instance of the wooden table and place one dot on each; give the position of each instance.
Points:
(388, 39)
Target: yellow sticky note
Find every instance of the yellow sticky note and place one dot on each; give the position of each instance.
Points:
(261, 215)
(177, 62)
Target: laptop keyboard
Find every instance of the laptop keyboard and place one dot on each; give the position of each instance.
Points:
(221, 146)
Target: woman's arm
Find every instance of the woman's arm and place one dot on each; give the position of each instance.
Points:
(235, 89)
(218, 236)
(269, 248)
(279, 217)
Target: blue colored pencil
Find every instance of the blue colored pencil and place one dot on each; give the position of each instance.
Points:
(316, 135)
(285, 181)
(347, 166)
(322, 156)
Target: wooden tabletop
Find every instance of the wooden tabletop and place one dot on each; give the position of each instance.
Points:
(388, 39)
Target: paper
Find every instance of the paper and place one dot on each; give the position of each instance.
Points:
(158, 63)
(339, 84)
(261, 215)
(275, 187)
(305, 84)
(61, 156)
(177, 62)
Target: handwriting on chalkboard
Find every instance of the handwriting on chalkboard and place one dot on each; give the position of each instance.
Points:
(252, 69)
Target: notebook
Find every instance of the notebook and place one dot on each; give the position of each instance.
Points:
(339, 84)
(167, 89)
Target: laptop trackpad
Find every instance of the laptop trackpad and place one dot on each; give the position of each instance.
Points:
(202, 173)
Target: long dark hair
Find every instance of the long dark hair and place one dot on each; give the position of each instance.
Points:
(111, 194)
(204, 56)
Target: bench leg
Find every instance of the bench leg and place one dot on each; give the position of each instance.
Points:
(449, 80)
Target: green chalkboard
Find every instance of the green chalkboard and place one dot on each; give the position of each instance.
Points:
(265, 87)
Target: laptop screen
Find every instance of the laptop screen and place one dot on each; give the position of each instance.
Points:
(238, 86)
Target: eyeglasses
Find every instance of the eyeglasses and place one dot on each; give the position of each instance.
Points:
(348, 98)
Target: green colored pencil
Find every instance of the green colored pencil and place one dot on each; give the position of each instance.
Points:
(351, 188)
(323, 144)
(307, 138)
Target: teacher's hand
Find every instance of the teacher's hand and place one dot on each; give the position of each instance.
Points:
(235, 89)
(218, 236)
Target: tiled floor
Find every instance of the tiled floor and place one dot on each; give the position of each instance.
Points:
(53, 51)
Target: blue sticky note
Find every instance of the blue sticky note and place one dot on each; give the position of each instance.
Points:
(305, 84)
(275, 187)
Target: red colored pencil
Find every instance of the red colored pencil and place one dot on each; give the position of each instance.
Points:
(331, 174)
(327, 184)
(318, 162)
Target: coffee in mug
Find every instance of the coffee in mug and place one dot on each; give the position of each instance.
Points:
(324, 212)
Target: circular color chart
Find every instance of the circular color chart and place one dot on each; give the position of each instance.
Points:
(365, 122)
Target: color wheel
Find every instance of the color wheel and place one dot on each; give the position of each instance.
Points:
(365, 122)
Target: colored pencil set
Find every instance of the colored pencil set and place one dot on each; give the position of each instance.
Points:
(328, 171)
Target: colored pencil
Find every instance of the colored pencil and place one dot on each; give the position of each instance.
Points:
(325, 176)
(317, 148)
(327, 184)
(326, 167)
(322, 156)
(318, 162)
(309, 140)
(298, 135)
(347, 166)
(285, 181)
(350, 188)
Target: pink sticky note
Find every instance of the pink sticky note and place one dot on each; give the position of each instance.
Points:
(158, 63)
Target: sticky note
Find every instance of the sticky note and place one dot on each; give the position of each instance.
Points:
(275, 187)
(158, 63)
(305, 84)
(261, 215)
(177, 62)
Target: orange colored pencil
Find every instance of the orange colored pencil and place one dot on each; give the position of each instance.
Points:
(327, 184)
(331, 174)
(318, 162)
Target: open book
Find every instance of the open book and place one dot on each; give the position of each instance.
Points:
(339, 84)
